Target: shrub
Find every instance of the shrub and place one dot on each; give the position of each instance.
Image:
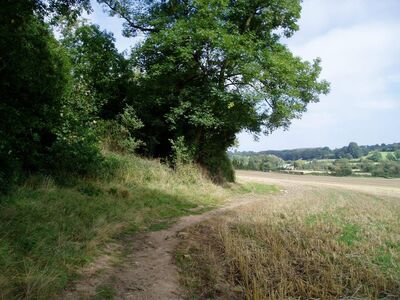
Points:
(181, 153)
(390, 156)
(220, 168)
(76, 148)
(366, 166)
(376, 156)
(387, 169)
(78, 153)
(118, 135)
(341, 167)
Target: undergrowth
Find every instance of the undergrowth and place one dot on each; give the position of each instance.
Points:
(50, 227)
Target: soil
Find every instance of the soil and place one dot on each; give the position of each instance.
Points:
(147, 270)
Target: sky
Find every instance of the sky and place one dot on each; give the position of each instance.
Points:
(359, 44)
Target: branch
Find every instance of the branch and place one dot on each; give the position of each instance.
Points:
(114, 8)
(222, 73)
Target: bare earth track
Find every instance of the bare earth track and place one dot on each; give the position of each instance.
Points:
(148, 270)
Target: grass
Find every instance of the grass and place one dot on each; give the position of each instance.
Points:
(256, 188)
(313, 243)
(50, 228)
(104, 292)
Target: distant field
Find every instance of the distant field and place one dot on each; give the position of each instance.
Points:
(384, 154)
(390, 187)
(319, 238)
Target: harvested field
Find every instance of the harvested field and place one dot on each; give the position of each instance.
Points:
(319, 238)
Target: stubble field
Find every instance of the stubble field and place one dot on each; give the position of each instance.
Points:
(317, 238)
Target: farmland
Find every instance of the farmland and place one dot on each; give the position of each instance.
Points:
(319, 237)
(352, 160)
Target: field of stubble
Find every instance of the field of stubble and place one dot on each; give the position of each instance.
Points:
(318, 238)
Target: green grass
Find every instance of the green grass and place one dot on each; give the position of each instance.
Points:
(50, 228)
(256, 188)
(105, 292)
(351, 233)
(159, 226)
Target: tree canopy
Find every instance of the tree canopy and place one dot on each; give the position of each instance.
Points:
(98, 64)
(205, 71)
(210, 69)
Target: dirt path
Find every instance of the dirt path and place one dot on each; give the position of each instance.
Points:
(148, 272)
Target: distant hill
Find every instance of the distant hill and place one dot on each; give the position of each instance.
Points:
(353, 150)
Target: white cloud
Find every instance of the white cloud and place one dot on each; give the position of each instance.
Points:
(358, 41)
(359, 46)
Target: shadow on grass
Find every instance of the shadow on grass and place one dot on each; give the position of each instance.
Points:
(47, 234)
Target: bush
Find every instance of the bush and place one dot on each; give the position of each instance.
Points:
(391, 156)
(376, 156)
(118, 135)
(76, 154)
(387, 169)
(220, 168)
(366, 166)
(181, 153)
(341, 167)
(76, 148)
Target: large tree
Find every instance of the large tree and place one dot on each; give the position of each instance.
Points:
(40, 108)
(97, 63)
(34, 77)
(212, 68)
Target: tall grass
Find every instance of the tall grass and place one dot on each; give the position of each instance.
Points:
(317, 244)
(51, 227)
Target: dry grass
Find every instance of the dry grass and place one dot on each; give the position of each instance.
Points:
(310, 243)
(50, 229)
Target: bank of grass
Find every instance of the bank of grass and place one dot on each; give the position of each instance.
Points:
(51, 227)
(308, 244)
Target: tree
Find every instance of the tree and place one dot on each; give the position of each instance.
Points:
(366, 166)
(376, 156)
(97, 63)
(354, 150)
(57, 11)
(341, 167)
(34, 78)
(272, 163)
(387, 169)
(41, 111)
(391, 156)
(397, 154)
(299, 164)
(211, 69)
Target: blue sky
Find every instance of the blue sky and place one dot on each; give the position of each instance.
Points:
(359, 44)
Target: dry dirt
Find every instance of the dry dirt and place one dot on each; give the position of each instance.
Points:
(147, 270)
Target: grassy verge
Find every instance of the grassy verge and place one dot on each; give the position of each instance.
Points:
(49, 228)
(312, 244)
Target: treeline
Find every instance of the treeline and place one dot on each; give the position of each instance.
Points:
(353, 150)
(205, 71)
(374, 164)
